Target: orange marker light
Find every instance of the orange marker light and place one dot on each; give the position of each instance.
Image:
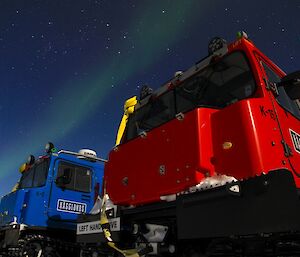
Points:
(227, 145)
(22, 167)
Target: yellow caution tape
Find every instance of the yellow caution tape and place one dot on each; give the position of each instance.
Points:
(128, 109)
(107, 234)
(126, 253)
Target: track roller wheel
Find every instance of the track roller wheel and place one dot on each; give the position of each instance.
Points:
(36, 249)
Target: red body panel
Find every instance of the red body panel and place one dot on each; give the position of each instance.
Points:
(289, 122)
(181, 158)
(180, 153)
(255, 139)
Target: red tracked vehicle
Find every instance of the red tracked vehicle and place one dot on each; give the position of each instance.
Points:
(209, 164)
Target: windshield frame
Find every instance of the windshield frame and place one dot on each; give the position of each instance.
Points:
(176, 88)
(75, 166)
(249, 73)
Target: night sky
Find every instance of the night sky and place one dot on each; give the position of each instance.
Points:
(67, 66)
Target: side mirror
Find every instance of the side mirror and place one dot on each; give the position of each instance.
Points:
(291, 84)
(64, 179)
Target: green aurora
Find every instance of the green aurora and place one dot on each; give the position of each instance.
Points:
(67, 113)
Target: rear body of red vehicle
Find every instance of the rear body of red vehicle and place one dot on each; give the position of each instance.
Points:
(210, 162)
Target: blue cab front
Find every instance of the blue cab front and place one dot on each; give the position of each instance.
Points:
(53, 191)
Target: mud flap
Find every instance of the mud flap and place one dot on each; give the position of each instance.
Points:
(265, 204)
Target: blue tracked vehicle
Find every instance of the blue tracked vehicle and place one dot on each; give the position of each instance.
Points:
(38, 218)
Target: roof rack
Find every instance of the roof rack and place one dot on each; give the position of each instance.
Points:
(82, 155)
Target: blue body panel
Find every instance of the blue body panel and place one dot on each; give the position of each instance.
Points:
(39, 206)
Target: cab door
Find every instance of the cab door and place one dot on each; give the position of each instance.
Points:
(288, 114)
(71, 191)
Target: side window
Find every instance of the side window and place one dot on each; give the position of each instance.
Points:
(153, 114)
(36, 176)
(157, 112)
(283, 99)
(80, 177)
(40, 175)
(220, 84)
(27, 179)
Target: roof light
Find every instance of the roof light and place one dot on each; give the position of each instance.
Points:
(49, 148)
(23, 167)
(177, 74)
(145, 91)
(216, 44)
(241, 34)
(30, 160)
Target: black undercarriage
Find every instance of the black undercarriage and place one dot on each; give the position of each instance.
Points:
(259, 218)
(37, 242)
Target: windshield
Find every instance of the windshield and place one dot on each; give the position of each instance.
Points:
(219, 85)
(222, 83)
